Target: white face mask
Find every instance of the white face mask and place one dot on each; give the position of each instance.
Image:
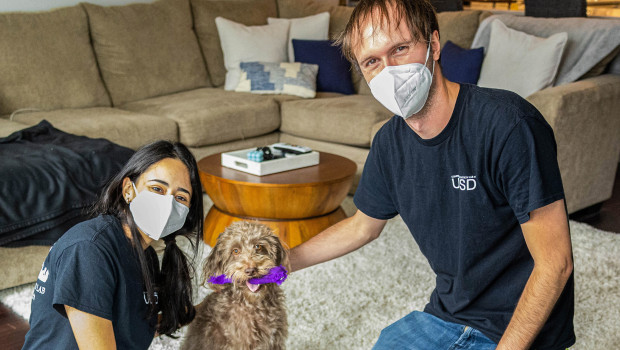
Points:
(403, 89)
(157, 215)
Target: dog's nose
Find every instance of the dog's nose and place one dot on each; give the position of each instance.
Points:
(250, 271)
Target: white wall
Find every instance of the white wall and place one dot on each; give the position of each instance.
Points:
(41, 5)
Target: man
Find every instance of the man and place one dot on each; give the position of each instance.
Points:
(473, 173)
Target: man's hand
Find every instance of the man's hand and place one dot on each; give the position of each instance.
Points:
(337, 240)
(548, 240)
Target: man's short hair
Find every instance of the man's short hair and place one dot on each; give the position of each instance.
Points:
(419, 15)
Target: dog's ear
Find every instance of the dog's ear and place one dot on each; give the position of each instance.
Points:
(215, 263)
(278, 252)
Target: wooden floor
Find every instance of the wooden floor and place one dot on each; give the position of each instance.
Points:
(13, 328)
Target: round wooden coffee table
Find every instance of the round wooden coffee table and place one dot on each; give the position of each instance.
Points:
(296, 204)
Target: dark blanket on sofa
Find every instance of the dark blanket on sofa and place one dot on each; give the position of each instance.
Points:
(49, 180)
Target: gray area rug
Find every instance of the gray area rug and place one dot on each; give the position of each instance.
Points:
(344, 303)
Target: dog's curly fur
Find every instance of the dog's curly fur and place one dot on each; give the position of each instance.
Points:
(234, 317)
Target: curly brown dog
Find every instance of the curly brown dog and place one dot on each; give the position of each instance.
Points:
(240, 315)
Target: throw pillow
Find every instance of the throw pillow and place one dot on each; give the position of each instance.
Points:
(334, 70)
(248, 12)
(242, 43)
(294, 78)
(460, 65)
(314, 27)
(520, 62)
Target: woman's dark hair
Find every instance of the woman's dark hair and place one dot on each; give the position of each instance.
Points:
(173, 283)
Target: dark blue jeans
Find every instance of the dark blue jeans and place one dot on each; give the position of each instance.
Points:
(422, 331)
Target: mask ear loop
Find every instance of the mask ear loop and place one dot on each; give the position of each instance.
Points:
(428, 51)
(135, 192)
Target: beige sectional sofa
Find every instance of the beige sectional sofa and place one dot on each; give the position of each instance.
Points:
(141, 72)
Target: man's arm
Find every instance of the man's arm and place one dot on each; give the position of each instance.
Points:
(548, 240)
(337, 240)
(90, 331)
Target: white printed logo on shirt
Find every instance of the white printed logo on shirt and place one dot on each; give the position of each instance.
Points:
(146, 298)
(464, 183)
(44, 273)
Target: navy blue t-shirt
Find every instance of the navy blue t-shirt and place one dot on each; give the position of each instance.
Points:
(463, 195)
(91, 268)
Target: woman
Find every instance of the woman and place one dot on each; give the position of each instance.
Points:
(100, 286)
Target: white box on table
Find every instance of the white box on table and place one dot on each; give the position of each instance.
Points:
(238, 160)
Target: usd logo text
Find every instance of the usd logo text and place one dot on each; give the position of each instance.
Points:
(464, 183)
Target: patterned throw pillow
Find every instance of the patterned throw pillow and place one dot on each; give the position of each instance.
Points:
(292, 78)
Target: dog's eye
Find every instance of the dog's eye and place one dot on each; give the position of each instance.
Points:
(236, 251)
(257, 247)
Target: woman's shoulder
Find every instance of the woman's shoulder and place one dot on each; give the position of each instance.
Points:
(95, 231)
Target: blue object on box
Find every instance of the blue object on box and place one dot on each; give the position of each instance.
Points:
(255, 156)
(334, 70)
(461, 65)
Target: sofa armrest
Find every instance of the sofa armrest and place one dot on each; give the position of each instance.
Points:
(375, 128)
(586, 122)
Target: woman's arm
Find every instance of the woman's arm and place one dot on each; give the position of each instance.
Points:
(90, 331)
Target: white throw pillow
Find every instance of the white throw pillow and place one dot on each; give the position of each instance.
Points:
(315, 27)
(520, 62)
(242, 43)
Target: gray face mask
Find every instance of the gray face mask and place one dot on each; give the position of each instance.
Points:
(157, 215)
(403, 89)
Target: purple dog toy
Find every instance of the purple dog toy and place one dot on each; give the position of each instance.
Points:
(276, 275)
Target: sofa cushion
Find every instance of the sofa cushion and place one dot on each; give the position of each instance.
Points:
(603, 65)
(211, 115)
(8, 127)
(146, 50)
(346, 119)
(47, 62)
(21, 265)
(121, 127)
(459, 26)
(247, 12)
(303, 8)
(338, 19)
(283, 98)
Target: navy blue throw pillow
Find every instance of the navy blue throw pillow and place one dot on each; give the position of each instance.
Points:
(334, 70)
(461, 65)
